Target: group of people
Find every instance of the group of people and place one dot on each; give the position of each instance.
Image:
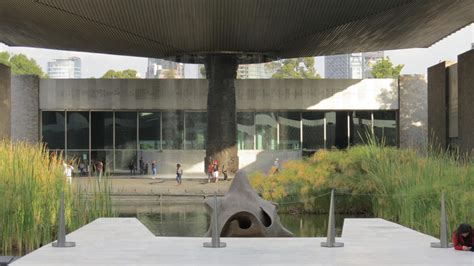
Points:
(97, 168)
(213, 171)
(143, 167)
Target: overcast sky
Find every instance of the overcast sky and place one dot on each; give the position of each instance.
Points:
(416, 61)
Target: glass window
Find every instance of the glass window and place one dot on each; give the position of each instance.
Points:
(126, 130)
(123, 159)
(290, 124)
(361, 127)
(266, 130)
(173, 130)
(245, 131)
(150, 131)
(313, 130)
(78, 130)
(52, 127)
(330, 130)
(107, 159)
(385, 127)
(101, 130)
(196, 130)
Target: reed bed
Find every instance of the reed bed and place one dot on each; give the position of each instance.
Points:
(31, 181)
(373, 180)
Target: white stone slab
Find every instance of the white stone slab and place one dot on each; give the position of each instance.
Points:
(125, 241)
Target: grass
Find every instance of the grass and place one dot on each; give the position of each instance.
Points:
(395, 184)
(31, 181)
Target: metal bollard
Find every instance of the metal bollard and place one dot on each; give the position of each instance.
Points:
(331, 236)
(215, 232)
(443, 230)
(61, 243)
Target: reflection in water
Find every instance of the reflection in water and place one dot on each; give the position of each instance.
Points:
(192, 220)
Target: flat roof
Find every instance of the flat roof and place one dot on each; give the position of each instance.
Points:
(187, 30)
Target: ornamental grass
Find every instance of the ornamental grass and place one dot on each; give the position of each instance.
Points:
(31, 181)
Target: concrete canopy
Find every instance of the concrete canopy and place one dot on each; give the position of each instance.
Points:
(255, 30)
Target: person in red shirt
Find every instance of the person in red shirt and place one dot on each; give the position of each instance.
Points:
(463, 238)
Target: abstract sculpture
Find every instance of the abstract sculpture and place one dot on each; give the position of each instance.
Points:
(242, 213)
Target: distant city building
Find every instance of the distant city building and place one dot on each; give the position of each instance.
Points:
(252, 71)
(159, 69)
(69, 68)
(351, 66)
(191, 71)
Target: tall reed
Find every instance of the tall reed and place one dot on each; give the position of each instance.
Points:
(396, 184)
(31, 180)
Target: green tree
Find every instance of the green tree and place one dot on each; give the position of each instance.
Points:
(125, 74)
(169, 74)
(384, 69)
(295, 68)
(20, 64)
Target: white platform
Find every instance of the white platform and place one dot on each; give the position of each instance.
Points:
(125, 241)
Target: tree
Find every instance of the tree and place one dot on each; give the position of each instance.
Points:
(169, 74)
(384, 69)
(295, 68)
(20, 64)
(125, 74)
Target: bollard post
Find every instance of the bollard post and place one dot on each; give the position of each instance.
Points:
(443, 230)
(331, 236)
(61, 243)
(215, 232)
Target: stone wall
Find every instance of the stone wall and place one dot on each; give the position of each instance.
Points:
(25, 108)
(5, 102)
(437, 105)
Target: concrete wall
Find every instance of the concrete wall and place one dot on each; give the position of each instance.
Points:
(437, 105)
(466, 101)
(268, 94)
(413, 112)
(25, 108)
(5, 102)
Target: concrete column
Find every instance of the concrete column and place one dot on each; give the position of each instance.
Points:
(437, 106)
(221, 71)
(5, 102)
(465, 102)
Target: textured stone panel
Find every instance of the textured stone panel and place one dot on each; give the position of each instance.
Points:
(466, 101)
(5, 102)
(25, 106)
(437, 105)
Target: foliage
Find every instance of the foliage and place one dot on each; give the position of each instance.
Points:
(295, 68)
(394, 184)
(169, 74)
(30, 185)
(125, 74)
(384, 69)
(21, 65)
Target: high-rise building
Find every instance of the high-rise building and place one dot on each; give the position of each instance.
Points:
(252, 71)
(162, 69)
(69, 68)
(351, 66)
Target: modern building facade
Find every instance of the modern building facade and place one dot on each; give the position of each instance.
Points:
(351, 66)
(159, 69)
(252, 71)
(69, 68)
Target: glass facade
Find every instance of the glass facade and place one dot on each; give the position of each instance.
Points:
(117, 138)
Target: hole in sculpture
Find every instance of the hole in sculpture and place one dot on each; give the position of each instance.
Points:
(244, 222)
(266, 220)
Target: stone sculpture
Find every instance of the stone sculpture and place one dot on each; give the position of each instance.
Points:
(243, 213)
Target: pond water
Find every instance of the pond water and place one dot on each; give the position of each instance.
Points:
(192, 220)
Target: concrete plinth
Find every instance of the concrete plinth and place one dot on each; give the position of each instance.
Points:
(125, 241)
(221, 71)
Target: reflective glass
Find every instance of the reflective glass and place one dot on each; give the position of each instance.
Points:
(52, 129)
(330, 130)
(266, 131)
(313, 130)
(361, 127)
(123, 158)
(173, 130)
(385, 127)
(290, 134)
(101, 130)
(245, 130)
(196, 130)
(126, 130)
(150, 131)
(106, 157)
(78, 130)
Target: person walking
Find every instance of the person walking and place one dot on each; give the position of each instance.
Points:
(69, 169)
(153, 169)
(216, 171)
(141, 164)
(131, 167)
(210, 171)
(276, 166)
(224, 172)
(99, 167)
(179, 173)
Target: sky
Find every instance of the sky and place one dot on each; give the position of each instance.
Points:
(416, 61)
